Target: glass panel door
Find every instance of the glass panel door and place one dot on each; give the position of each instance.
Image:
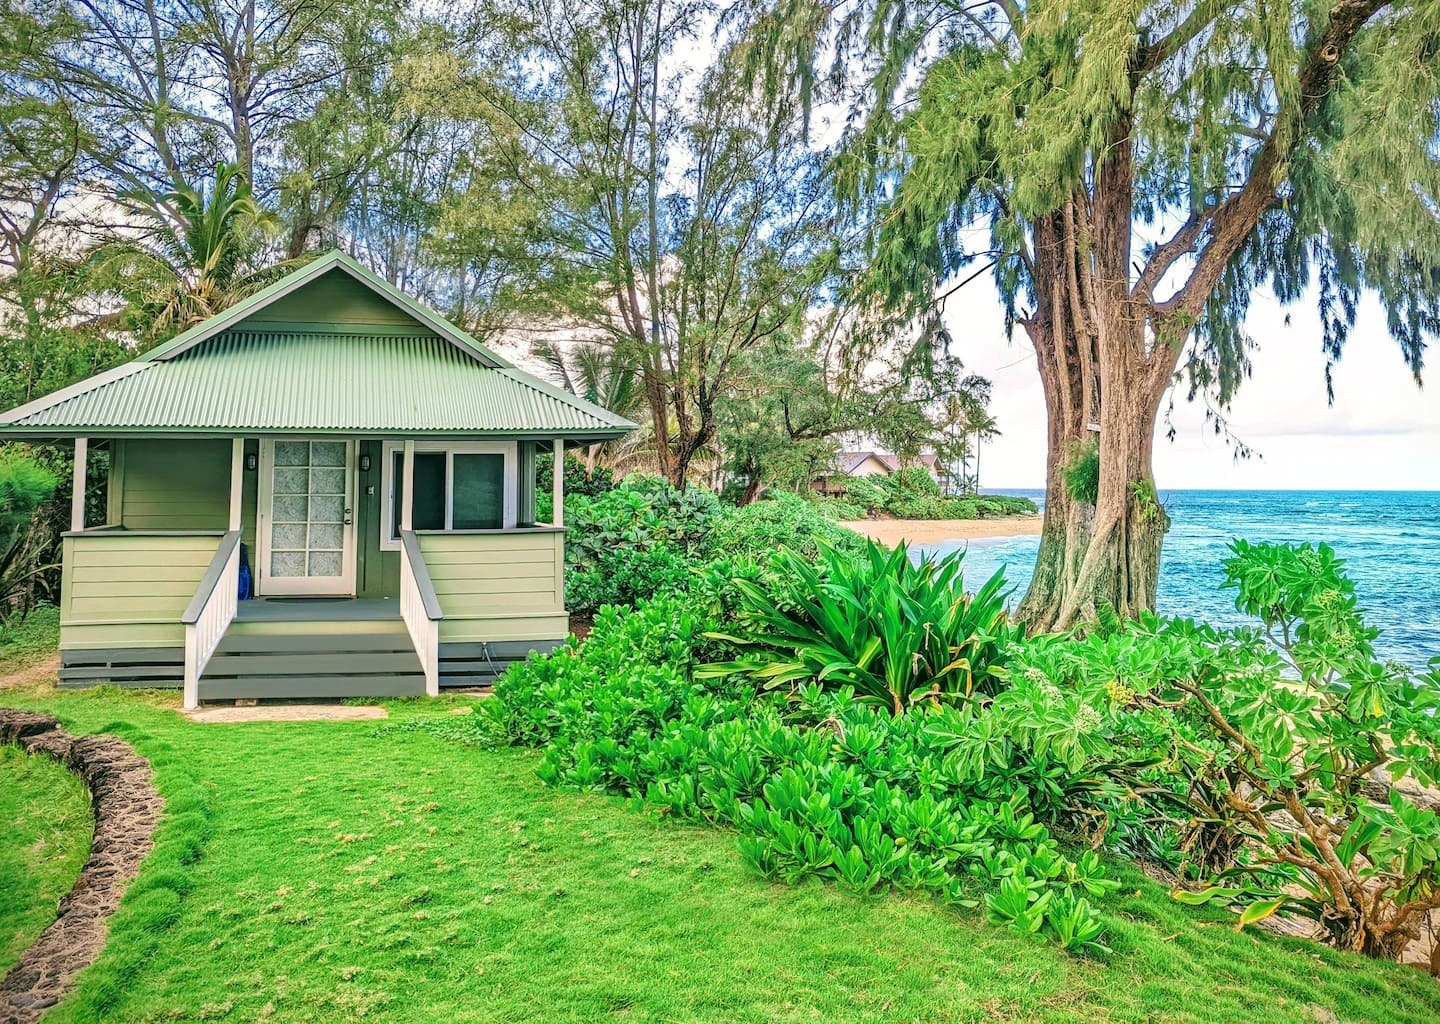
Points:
(307, 544)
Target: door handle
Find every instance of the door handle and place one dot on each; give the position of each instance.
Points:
(347, 517)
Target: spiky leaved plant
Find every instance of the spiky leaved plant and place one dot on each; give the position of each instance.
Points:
(899, 632)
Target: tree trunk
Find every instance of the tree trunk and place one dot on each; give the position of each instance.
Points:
(1107, 351)
(1096, 372)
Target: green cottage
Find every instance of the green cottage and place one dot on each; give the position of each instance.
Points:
(376, 463)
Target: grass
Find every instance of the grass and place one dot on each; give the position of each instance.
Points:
(23, 642)
(321, 872)
(45, 821)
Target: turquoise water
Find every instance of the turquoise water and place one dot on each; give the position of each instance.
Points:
(1390, 541)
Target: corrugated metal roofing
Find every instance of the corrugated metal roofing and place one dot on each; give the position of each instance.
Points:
(257, 381)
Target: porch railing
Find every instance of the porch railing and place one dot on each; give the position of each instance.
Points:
(420, 609)
(210, 613)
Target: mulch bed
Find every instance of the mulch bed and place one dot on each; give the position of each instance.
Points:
(127, 808)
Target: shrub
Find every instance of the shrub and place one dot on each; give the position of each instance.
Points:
(1279, 754)
(626, 575)
(786, 520)
(25, 538)
(1082, 473)
(898, 633)
(866, 493)
(634, 541)
(912, 482)
(839, 508)
(919, 507)
(822, 786)
(1001, 505)
(577, 481)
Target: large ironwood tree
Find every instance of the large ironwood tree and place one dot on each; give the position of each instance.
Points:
(1142, 168)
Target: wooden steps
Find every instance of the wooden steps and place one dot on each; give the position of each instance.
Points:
(303, 649)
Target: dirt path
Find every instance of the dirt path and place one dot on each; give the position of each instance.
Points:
(32, 675)
(127, 810)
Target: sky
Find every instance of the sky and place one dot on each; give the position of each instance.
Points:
(1382, 433)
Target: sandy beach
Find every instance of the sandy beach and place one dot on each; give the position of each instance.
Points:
(932, 531)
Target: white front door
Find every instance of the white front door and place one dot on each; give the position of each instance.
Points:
(306, 532)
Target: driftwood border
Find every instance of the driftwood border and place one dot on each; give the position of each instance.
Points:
(127, 809)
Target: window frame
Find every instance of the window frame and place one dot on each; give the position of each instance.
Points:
(509, 504)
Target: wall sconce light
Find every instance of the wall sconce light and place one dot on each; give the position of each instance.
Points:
(252, 461)
(364, 463)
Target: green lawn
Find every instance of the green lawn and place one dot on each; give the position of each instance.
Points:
(45, 828)
(22, 643)
(319, 872)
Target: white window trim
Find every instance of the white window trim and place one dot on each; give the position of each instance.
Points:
(510, 500)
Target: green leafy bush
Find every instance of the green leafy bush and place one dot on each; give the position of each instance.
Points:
(26, 540)
(634, 541)
(822, 785)
(626, 575)
(1284, 760)
(865, 492)
(1082, 474)
(974, 506)
(839, 508)
(912, 493)
(919, 507)
(898, 633)
(786, 520)
(912, 482)
(577, 481)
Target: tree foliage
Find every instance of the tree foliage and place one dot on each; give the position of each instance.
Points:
(1137, 171)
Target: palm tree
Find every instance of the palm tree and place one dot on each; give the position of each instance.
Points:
(983, 425)
(197, 253)
(966, 411)
(954, 423)
(606, 376)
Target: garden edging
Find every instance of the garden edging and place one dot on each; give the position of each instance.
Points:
(127, 809)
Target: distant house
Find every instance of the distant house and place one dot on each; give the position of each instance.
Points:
(871, 463)
(377, 465)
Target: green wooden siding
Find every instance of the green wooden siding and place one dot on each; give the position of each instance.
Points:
(172, 484)
(377, 572)
(498, 586)
(332, 298)
(123, 590)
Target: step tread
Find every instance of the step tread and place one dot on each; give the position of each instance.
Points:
(330, 686)
(312, 663)
(314, 643)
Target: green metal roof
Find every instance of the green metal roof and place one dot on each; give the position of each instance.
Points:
(253, 377)
(307, 382)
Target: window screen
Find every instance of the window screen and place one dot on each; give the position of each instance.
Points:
(477, 490)
(429, 510)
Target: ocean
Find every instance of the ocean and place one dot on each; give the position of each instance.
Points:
(1390, 541)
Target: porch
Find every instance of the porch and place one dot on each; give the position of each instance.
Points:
(391, 611)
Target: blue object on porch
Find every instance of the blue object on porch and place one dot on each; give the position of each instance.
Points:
(246, 589)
